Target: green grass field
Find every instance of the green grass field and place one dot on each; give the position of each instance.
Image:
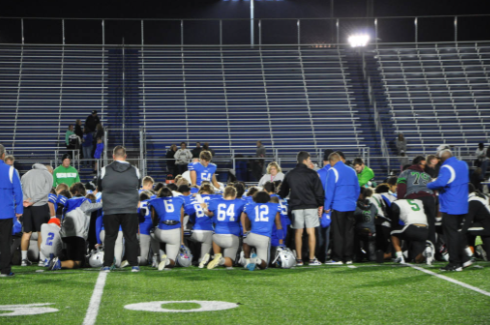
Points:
(367, 294)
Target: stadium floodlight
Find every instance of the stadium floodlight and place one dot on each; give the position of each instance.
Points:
(358, 40)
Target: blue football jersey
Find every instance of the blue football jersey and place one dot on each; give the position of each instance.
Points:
(209, 197)
(146, 224)
(227, 216)
(197, 217)
(262, 217)
(202, 173)
(168, 211)
(52, 198)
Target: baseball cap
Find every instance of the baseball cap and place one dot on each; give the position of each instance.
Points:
(55, 220)
(94, 112)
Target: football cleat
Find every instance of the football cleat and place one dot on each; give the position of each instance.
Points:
(205, 260)
(124, 264)
(468, 263)
(348, 262)
(400, 259)
(251, 266)
(26, 262)
(41, 263)
(54, 264)
(215, 262)
(154, 261)
(332, 262)
(429, 253)
(105, 269)
(451, 268)
(299, 262)
(165, 261)
(135, 269)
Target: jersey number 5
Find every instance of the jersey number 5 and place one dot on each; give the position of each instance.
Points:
(415, 206)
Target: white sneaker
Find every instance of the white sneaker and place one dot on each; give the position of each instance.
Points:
(204, 261)
(348, 262)
(124, 264)
(41, 263)
(332, 262)
(165, 261)
(26, 262)
(314, 262)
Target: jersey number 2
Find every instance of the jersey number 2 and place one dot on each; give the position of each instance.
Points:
(49, 240)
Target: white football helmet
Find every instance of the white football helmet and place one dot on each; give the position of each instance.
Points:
(284, 258)
(96, 258)
(184, 258)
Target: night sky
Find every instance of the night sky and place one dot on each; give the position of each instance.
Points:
(206, 32)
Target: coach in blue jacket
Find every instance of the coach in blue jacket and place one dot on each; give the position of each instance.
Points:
(341, 193)
(452, 184)
(11, 207)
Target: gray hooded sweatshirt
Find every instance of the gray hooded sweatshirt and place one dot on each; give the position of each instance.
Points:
(37, 184)
(119, 183)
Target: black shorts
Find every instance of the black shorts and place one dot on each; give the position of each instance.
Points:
(412, 233)
(34, 217)
(75, 248)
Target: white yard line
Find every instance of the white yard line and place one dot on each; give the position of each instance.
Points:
(467, 286)
(93, 307)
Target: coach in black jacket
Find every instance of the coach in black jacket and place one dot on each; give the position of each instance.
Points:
(119, 183)
(306, 196)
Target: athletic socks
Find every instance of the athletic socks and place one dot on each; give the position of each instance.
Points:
(24, 255)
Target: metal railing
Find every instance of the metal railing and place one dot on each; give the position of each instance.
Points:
(378, 27)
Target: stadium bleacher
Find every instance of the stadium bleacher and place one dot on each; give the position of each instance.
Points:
(289, 97)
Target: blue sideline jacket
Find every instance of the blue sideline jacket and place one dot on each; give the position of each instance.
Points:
(452, 184)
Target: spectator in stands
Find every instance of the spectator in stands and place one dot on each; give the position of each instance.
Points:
(68, 133)
(341, 194)
(403, 160)
(78, 129)
(480, 154)
(12, 207)
(364, 174)
(432, 166)
(99, 150)
(87, 145)
(92, 121)
(170, 157)
(401, 144)
(9, 160)
(99, 131)
(274, 174)
(452, 184)
(485, 163)
(207, 148)
(306, 196)
(182, 157)
(197, 150)
(65, 173)
(258, 166)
